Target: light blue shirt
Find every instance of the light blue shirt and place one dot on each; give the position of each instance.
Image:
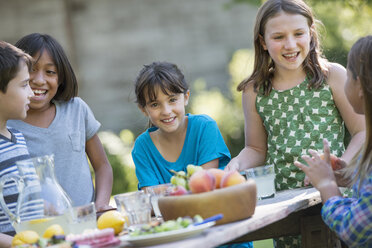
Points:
(203, 143)
(73, 125)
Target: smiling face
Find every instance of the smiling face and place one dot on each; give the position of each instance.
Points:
(287, 40)
(14, 103)
(167, 111)
(43, 81)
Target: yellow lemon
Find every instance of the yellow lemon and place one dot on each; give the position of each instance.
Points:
(112, 219)
(54, 229)
(25, 237)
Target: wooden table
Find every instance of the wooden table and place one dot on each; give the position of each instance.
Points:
(290, 212)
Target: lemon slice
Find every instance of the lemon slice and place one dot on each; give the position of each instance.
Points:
(37, 221)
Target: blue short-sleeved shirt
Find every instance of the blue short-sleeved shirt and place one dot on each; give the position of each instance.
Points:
(203, 143)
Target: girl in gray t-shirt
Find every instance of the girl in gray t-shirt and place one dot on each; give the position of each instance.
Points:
(62, 124)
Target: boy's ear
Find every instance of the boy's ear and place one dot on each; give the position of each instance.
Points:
(262, 42)
(187, 96)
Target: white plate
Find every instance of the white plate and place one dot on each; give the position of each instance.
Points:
(164, 237)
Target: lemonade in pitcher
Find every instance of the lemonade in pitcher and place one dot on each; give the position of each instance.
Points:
(41, 200)
(40, 225)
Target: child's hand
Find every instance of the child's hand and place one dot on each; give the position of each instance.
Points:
(232, 165)
(319, 172)
(103, 208)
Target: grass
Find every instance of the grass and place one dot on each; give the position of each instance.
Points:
(266, 243)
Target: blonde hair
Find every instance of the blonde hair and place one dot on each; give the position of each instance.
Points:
(359, 63)
(263, 71)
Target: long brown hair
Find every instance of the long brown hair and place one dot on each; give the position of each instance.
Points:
(264, 67)
(359, 63)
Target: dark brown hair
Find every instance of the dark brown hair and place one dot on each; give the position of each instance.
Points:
(264, 67)
(37, 43)
(10, 59)
(165, 75)
(359, 63)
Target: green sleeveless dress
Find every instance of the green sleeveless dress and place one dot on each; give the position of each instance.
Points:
(296, 120)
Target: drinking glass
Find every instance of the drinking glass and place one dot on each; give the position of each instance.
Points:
(156, 192)
(264, 177)
(136, 205)
(83, 218)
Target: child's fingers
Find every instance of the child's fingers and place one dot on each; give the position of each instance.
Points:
(327, 152)
(307, 181)
(301, 166)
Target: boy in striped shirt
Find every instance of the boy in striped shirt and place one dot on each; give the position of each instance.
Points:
(15, 94)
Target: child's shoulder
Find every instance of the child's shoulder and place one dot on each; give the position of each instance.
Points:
(336, 74)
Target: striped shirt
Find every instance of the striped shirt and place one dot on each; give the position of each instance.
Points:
(12, 150)
(351, 218)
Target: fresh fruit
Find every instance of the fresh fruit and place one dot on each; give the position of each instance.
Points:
(218, 174)
(25, 237)
(232, 178)
(111, 219)
(179, 179)
(202, 181)
(333, 160)
(235, 203)
(191, 169)
(178, 190)
(54, 229)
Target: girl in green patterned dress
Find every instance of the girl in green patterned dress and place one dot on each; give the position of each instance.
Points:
(293, 99)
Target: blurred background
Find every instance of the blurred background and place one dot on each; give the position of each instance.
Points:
(108, 42)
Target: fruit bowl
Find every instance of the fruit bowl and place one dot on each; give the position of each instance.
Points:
(236, 202)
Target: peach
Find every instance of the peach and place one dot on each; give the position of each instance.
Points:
(231, 178)
(202, 181)
(333, 160)
(178, 190)
(218, 174)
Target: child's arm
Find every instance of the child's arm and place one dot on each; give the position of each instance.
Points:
(102, 170)
(350, 218)
(5, 240)
(254, 152)
(211, 164)
(355, 123)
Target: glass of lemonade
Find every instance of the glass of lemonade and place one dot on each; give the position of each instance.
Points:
(264, 177)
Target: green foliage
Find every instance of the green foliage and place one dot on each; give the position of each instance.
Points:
(118, 150)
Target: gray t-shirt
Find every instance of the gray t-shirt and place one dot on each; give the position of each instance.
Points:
(73, 125)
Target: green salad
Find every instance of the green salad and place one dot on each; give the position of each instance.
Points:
(170, 225)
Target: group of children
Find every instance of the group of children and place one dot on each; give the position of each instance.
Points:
(295, 103)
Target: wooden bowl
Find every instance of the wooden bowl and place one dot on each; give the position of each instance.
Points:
(235, 203)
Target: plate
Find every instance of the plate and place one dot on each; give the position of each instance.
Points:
(164, 237)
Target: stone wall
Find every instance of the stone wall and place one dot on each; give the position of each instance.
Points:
(108, 41)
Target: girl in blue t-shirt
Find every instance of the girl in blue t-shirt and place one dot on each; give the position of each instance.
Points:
(174, 139)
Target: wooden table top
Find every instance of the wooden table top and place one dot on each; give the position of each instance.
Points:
(267, 211)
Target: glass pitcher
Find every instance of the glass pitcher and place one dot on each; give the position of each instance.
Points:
(41, 200)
